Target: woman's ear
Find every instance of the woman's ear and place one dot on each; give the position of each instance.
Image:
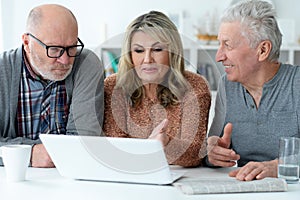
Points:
(264, 49)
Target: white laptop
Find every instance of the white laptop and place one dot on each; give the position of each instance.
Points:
(110, 159)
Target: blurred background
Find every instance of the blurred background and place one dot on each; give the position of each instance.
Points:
(100, 20)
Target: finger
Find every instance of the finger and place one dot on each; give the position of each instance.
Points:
(220, 153)
(212, 140)
(164, 123)
(263, 174)
(222, 163)
(164, 138)
(249, 171)
(225, 140)
(253, 174)
(234, 173)
(159, 128)
(269, 170)
(222, 157)
(221, 160)
(213, 146)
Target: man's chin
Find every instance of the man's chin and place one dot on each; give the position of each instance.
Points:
(61, 76)
(231, 78)
(57, 77)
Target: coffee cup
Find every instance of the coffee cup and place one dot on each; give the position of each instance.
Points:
(16, 159)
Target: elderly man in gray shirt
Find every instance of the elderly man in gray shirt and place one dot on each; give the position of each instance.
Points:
(258, 99)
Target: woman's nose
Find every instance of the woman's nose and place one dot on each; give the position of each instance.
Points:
(148, 56)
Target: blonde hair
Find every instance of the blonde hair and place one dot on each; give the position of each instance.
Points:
(160, 27)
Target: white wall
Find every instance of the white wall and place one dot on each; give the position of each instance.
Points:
(92, 15)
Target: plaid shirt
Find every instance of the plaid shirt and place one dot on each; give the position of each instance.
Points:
(42, 105)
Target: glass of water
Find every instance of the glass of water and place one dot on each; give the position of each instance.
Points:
(288, 160)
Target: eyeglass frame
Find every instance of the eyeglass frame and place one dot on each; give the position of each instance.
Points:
(57, 46)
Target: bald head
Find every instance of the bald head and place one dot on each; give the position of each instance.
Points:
(51, 19)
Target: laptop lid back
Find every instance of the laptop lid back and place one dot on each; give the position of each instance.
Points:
(108, 159)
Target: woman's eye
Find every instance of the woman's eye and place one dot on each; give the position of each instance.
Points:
(138, 50)
(157, 49)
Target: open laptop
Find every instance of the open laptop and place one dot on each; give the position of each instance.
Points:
(111, 159)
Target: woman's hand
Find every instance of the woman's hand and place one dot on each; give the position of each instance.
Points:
(158, 133)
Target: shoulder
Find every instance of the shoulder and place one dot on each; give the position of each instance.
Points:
(287, 74)
(196, 80)
(87, 57)
(110, 82)
(290, 75)
(87, 52)
(11, 61)
(284, 68)
(12, 55)
(88, 64)
(191, 76)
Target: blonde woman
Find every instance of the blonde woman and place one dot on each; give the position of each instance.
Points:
(152, 96)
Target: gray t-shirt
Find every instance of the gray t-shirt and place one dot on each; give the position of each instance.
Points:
(256, 132)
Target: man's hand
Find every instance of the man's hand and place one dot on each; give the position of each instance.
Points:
(256, 170)
(158, 133)
(40, 157)
(218, 151)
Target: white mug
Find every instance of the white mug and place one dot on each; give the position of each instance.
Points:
(16, 159)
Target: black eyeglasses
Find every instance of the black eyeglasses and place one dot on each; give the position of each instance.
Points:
(58, 51)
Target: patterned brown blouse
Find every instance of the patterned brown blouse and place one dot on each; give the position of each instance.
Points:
(187, 124)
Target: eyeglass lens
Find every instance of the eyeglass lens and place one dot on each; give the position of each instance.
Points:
(59, 51)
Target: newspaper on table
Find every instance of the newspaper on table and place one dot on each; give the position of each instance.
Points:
(229, 185)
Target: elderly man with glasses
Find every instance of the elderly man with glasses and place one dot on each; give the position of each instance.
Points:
(51, 85)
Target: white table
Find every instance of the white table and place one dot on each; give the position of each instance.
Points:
(44, 184)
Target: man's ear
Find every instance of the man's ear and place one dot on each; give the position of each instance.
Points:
(264, 49)
(25, 42)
